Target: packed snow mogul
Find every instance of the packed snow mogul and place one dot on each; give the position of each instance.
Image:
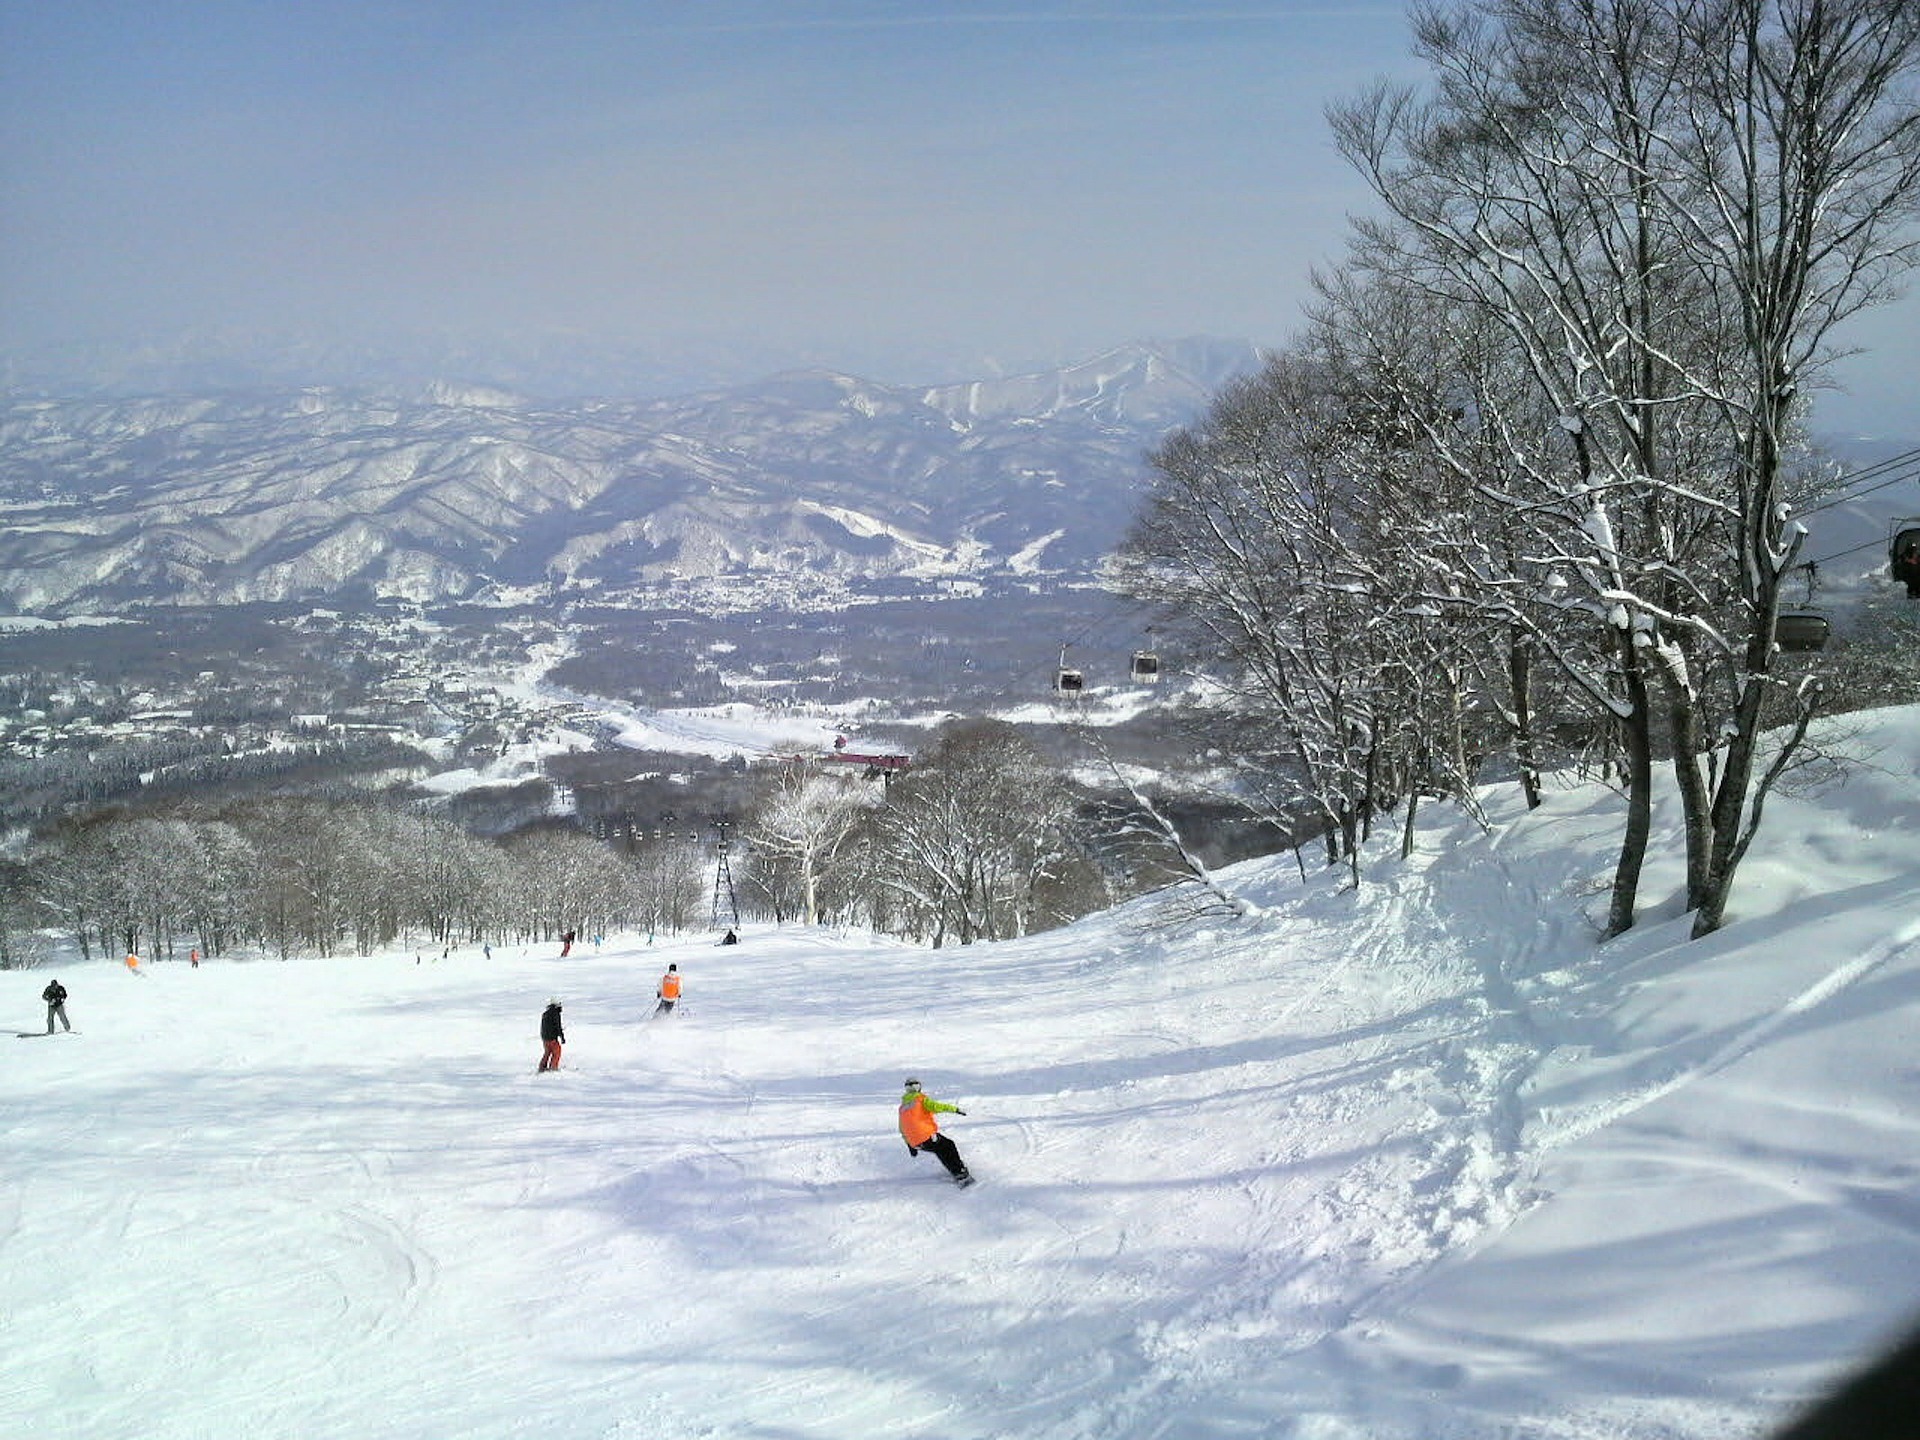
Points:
(668, 991)
(922, 1132)
(552, 1036)
(56, 997)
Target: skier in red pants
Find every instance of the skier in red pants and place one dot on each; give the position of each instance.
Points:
(552, 1036)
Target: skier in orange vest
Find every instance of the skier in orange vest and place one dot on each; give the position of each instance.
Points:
(922, 1132)
(668, 991)
(133, 963)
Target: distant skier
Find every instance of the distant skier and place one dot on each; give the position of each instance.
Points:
(133, 963)
(566, 944)
(729, 938)
(552, 1036)
(193, 957)
(56, 997)
(922, 1132)
(667, 992)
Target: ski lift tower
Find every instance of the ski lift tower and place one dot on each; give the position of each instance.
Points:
(723, 892)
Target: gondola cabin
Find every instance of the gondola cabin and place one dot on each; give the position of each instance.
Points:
(1903, 555)
(1069, 682)
(1801, 630)
(1146, 668)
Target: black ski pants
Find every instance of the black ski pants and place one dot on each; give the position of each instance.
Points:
(948, 1153)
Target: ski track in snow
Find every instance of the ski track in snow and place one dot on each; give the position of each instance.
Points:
(1745, 1042)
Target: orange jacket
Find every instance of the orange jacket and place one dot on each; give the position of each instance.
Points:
(670, 986)
(917, 1125)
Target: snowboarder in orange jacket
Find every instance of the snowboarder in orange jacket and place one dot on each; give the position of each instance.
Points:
(922, 1132)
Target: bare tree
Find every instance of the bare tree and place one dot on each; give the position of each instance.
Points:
(1263, 536)
(804, 818)
(569, 880)
(1796, 190)
(20, 944)
(1667, 205)
(967, 840)
(667, 884)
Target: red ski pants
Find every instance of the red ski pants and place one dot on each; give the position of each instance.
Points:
(549, 1054)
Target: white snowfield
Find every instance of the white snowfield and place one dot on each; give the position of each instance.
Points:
(1421, 1161)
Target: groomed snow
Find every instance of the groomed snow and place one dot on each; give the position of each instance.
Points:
(1424, 1160)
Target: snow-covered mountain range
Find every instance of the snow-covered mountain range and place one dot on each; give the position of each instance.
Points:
(446, 492)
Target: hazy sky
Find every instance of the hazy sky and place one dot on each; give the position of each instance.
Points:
(1035, 179)
(906, 188)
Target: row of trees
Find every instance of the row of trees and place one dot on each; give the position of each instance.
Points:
(983, 839)
(1531, 473)
(324, 877)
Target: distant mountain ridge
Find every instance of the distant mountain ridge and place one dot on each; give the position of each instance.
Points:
(450, 491)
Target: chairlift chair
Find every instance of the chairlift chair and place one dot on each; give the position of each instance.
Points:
(1903, 554)
(1067, 680)
(1801, 630)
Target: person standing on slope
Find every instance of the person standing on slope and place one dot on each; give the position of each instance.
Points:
(552, 1036)
(922, 1132)
(667, 992)
(56, 997)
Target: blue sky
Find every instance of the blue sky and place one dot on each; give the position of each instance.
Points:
(909, 190)
(905, 179)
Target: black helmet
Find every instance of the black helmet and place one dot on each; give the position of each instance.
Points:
(912, 1084)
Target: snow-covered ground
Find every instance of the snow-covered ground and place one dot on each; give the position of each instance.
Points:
(1424, 1160)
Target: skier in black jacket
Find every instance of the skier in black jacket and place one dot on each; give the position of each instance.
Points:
(56, 997)
(552, 1036)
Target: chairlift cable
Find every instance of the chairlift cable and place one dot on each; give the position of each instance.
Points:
(1873, 544)
(1909, 466)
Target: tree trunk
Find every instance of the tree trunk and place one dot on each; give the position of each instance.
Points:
(1729, 809)
(1695, 802)
(1759, 537)
(1520, 679)
(1639, 824)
